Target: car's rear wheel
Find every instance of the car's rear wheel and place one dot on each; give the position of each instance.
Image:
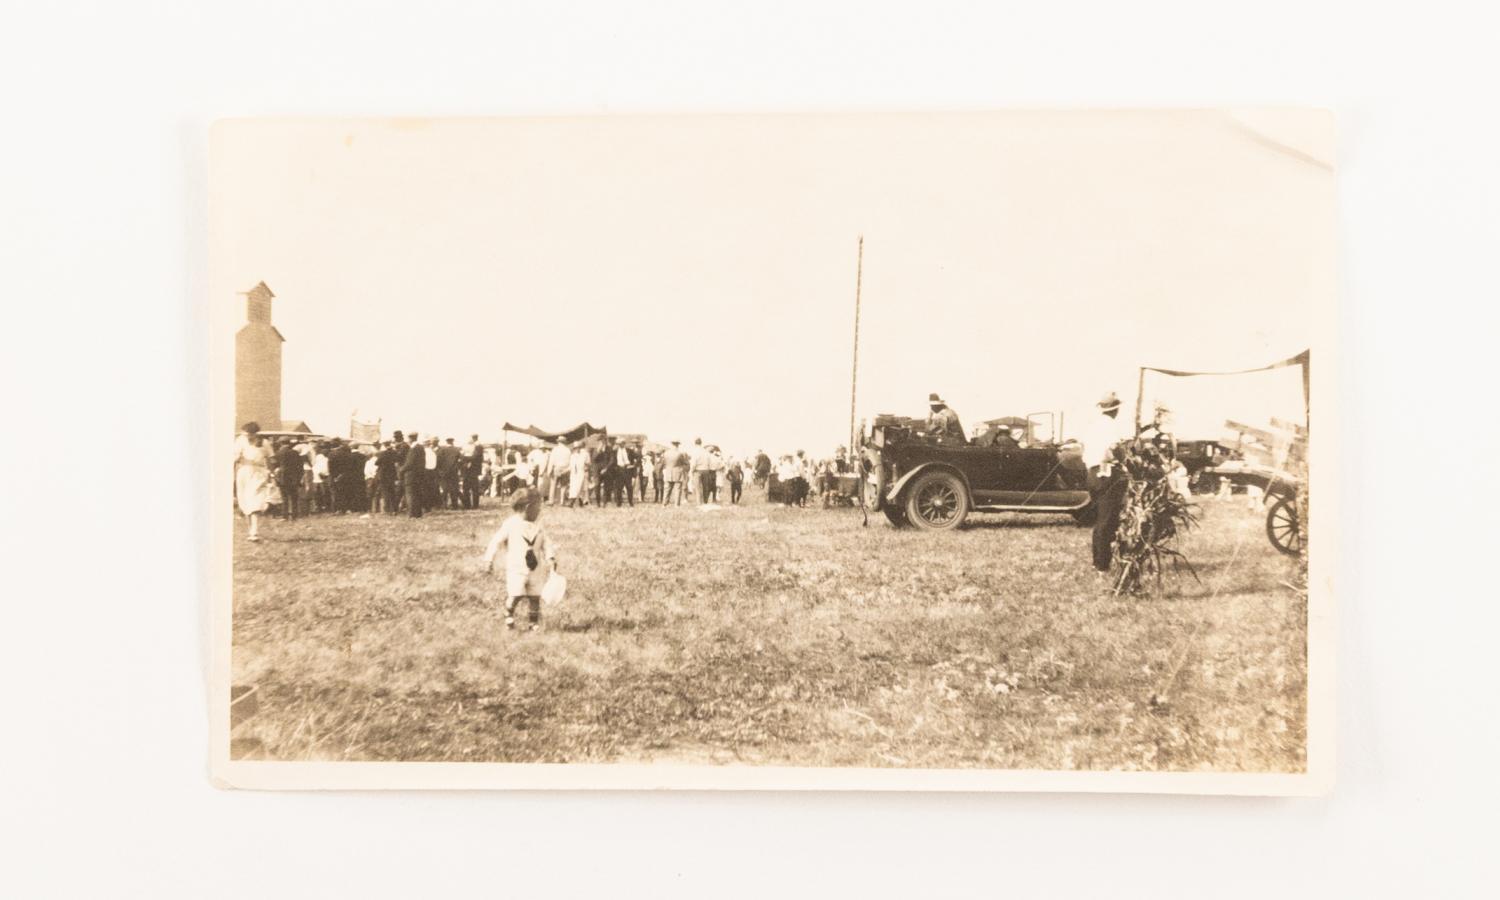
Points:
(937, 500)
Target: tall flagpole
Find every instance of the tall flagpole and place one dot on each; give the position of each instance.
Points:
(859, 274)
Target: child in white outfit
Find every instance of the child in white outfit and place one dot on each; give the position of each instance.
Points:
(530, 556)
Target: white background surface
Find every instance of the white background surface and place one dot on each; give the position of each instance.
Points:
(105, 711)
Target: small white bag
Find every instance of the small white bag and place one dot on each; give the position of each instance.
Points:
(554, 589)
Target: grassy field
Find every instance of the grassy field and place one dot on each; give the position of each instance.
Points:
(770, 636)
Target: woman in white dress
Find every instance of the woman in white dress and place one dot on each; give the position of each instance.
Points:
(578, 476)
(252, 476)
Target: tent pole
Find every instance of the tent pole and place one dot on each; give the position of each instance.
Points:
(1140, 397)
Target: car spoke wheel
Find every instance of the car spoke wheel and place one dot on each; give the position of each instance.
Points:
(1283, 526)
(937, 500)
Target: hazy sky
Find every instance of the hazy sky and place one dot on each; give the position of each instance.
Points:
(687, 276)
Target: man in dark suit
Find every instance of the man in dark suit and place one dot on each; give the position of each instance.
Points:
(399, 444)
(387, 461)
(289, 465)
(472, 466)
(431, 492)
(411, 472)
(632, 475)
(340, 460)
(447, 474)
(605, 471)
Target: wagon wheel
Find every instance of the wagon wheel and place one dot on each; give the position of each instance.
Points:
(1283, 526)
(938, 500)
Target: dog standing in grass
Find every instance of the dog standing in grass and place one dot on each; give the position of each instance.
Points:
(530, 556)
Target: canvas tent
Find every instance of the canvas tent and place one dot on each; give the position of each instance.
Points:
(572, 435)
(1269, 391)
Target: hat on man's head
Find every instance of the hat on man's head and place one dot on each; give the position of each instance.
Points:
(251, 428)
(1109, 401)
(934, 400)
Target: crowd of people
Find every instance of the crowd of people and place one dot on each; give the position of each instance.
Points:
(412, 475)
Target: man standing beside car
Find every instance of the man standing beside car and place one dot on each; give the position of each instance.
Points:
(1105, 481)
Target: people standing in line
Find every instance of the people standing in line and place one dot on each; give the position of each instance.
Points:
(1100, 439)
(252, 476)
(413, 475)
(530, 556)
(289, 473)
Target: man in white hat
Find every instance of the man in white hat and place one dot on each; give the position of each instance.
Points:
(1100, 438)
(943, 422)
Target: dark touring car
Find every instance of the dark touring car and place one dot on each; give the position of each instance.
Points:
(1012, 465)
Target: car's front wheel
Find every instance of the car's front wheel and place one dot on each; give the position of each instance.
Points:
(937, 500)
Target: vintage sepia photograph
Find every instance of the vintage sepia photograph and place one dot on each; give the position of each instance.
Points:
(970, 450)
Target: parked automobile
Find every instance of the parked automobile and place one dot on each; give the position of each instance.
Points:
(935, 482)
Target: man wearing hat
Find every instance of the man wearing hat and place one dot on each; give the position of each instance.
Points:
(1099, 441)
(943, 422)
